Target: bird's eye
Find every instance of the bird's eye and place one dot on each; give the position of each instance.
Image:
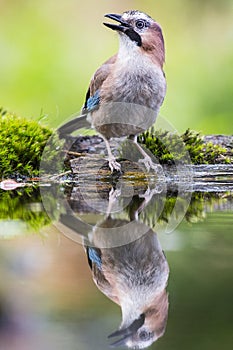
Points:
(140, 24)
(144, 335)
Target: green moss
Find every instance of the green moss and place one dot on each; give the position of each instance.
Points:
(169, 147)
(21, 144)
(203, 152)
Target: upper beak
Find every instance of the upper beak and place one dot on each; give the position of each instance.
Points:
(127, 332)
(120, 27)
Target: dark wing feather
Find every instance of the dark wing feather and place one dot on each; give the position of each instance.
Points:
(86, 99)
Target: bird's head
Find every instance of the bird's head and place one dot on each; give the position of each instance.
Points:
(137, 29)
(146, 328)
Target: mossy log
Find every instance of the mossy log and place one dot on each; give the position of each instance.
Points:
(168, 148)
(22, 143)
(91, 168)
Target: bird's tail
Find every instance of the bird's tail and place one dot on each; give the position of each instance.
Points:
(73, 125)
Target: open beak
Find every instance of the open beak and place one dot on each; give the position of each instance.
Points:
(120, 27)
(123, 27)
(127, 332)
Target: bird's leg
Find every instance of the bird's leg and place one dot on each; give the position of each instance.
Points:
(150, 192)
(147, 196)
(147, 161)
(113, 195)
(112, 163)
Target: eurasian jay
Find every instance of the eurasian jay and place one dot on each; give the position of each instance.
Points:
(127, 91)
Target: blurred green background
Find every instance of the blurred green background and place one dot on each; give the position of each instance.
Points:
(50, 49)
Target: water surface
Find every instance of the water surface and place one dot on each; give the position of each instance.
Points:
(48, 299)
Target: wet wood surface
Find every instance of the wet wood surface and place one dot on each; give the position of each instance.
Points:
(86, 158)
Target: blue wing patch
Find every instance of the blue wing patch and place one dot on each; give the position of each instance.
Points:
(94, 257)
(93, 101)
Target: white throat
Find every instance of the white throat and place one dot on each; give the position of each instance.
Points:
(127, 48)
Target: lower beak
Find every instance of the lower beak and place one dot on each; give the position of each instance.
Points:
(120, 342)
(127, 332)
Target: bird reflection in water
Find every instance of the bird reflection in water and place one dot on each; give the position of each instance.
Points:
(133, 275)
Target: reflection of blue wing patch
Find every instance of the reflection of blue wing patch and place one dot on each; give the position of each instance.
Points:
(94, 256)
(93, 101)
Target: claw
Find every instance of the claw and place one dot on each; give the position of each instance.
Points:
(148, 163)
(113, 164)
(151, 192)
(113, 202)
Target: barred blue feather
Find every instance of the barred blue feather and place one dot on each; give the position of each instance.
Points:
(93, 101)
(94, 256)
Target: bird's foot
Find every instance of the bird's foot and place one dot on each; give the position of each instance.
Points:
(150, 192)
(114, 194)
(112, 200)
(113, 164)
(149, 164)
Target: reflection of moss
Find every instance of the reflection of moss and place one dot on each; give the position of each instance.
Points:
(21, 144)
(169, 147)
(197, 208)
(200, 203)
(24, 204)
